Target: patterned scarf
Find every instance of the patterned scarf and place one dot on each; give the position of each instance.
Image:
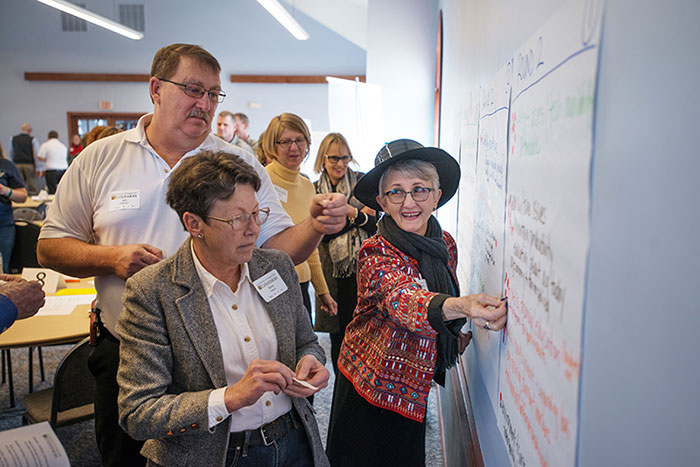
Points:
(344, 248)
(431, 253)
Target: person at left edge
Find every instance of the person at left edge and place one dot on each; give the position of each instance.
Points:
(212, 337)
(19, 299)
(109, 218)
(11, 189)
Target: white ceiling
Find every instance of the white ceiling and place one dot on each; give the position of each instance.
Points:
(348, 18)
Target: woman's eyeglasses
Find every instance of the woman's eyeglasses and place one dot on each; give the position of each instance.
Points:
(335, 159)
(241, 221)
(287, 143)
(419, 193)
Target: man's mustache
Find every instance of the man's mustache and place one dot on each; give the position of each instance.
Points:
(198, 114)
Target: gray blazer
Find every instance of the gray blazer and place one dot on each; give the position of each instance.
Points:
(170, 358)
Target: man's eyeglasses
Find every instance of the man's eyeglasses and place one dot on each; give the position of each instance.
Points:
(287, 143)
(335, 159)
(241, 221)
(419, 193)
(197, 91)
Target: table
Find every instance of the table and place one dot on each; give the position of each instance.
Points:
(45, 330)
(32, 203)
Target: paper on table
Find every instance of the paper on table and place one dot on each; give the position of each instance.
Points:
(32, 445)
(64, 305)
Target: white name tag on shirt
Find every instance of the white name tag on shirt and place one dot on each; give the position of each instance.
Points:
(423, 283)
(119, 200)
(270, 285)
(281, 193)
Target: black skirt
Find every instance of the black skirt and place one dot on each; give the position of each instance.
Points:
(360, 433)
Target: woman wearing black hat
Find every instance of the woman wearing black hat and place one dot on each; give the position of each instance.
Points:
(405, 330)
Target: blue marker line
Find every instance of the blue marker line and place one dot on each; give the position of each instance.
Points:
(494, 112)
(553, 69)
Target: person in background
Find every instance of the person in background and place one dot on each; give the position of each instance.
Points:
(207, 356)
(75, 148)
(286, 141)
(262, 158)
(91, 136)
(405, 332)
(226, 130)
(23, 151)
(109, 218)
(19, 299)
(338, 252)
(108, 131)
(11, 189)
(52, 155)
(241, 130)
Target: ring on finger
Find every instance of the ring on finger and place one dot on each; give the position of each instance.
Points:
(486, 326)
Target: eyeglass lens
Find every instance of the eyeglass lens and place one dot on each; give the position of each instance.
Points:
(418, 194)
(336, 159)
(287, 143)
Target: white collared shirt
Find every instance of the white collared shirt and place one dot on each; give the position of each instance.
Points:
(245, 333)
(55, 155)
(114, 194)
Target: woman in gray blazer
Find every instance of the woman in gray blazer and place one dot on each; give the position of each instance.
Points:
(217, 354)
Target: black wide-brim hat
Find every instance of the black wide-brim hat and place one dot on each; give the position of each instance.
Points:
(367, 188)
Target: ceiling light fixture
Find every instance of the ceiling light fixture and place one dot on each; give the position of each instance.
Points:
(93, 18)
(284, 18)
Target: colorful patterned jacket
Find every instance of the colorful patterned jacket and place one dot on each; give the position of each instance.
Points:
(389, 350)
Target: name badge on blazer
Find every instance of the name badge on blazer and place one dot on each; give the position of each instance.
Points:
(270, 286)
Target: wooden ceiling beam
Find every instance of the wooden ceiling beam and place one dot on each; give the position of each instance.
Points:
(292, 79)
(113, 77)
(140, 78)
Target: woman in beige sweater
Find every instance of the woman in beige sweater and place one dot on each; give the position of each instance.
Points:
(286, 141)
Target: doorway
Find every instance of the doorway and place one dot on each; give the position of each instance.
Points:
(82, 122)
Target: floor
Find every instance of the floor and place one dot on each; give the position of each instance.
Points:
(79, 440)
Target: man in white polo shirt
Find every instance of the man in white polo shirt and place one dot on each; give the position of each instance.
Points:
(53, 155)
(109, 218)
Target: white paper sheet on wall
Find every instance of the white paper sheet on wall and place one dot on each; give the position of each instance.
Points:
(486, 272)
(468, 143)
(547, 235)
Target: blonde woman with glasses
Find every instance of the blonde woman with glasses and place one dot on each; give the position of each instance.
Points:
(286, 141)
(338, 252)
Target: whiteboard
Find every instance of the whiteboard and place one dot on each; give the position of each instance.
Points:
(530, 233)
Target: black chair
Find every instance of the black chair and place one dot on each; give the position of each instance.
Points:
(27, 214)
(24, 256)
(70, 400)
(24, 251)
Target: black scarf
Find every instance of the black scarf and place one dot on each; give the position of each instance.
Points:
(431, 253)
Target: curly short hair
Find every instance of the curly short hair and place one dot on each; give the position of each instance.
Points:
(205, 178)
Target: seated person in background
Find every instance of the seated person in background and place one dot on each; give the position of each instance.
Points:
(405, 330)
(215, 339)
(19, 299)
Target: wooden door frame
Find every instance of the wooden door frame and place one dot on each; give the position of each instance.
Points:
(111, 117)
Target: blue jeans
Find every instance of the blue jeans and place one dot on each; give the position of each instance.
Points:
(7, 242)
(291, 451)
